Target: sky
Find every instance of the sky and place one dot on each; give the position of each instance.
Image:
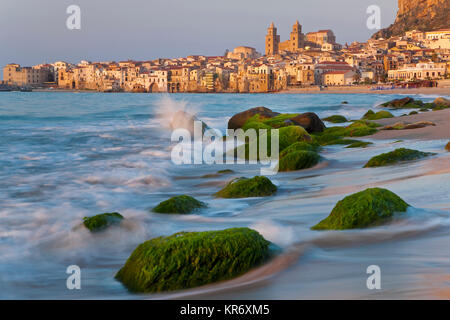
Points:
(34, 31)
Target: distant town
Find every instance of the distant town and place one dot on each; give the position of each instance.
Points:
(308, 60)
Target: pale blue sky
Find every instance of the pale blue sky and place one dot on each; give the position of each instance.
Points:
(34, 31)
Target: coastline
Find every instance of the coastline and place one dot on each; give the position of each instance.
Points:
(313, 90)
(368, 90)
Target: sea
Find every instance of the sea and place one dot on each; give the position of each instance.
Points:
(68, 155)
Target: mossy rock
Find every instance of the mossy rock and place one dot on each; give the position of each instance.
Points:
(359, 144)
(364, 209)
(102, 221)
(292, 134)
(423, 110)
(282, 120)
(358, 128)
(179, 205)
(447, 147)
(258, 186)
(191, 259)
(298, 146)
(256, 125)
(336, 119)
(370, 115)
(396, 156)
(298, 160)
(413, 112)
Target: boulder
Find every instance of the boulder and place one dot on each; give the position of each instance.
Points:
(258, 186)
(102, 221)
(396, 156)
(238, 120)
(367, 208)
(310, 121)
(179, 205)
(191, 259)
(447, 147)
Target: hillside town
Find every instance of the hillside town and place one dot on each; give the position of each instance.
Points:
(314, 59)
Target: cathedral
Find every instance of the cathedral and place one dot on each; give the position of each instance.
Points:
(298, 40)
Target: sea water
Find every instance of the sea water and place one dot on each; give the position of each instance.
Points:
(64, 156)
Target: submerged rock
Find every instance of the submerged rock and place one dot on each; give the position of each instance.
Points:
(367, 208)
(336, 119)
(298, 160)
(191, 259)
(179, 204)
(102, 221)
(218, 173)
(359, 144)
(258, 186)
(396, 156)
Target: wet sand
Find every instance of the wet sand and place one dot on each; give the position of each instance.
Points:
(440, 131)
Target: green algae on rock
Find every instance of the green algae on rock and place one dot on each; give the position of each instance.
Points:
(102, 221)
(370, 115)
(333, 135)
(258, 186)
(298, 160)
(336, 119)
(396, 156)
(191, 259)
(179, 205)
(298, 146)
(366, 208)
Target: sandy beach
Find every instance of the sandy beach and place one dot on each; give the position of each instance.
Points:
(369, 90)
(441, 131)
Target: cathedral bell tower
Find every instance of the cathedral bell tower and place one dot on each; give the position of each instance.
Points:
(297, 39)
(272, 40)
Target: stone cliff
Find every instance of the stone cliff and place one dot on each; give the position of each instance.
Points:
(423, 15)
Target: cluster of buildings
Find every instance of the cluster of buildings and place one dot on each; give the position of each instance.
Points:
(304, 60)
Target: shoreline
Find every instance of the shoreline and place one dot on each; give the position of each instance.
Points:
(368, 90)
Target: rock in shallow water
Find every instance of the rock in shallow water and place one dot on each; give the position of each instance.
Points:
(396, 156)
(367, 208)
(191, 259)
(179, 204)
(258, 186)
(102, 221)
